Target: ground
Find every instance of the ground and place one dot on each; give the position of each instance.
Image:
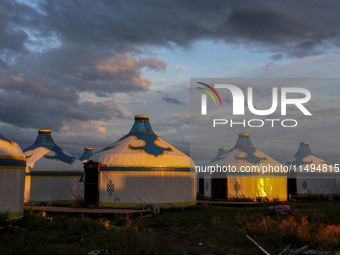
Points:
(197, 230)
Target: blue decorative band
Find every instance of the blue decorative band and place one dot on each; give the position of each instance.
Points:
(12, 162)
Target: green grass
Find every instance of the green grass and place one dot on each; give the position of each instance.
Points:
(196, 230)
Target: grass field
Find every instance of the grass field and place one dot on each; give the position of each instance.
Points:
(196, 230)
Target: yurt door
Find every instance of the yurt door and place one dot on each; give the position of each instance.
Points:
(291, 186)
(201, 185)
(91, 191)
(219, 188)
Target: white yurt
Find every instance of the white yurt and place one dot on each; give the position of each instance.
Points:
(245, 178)
(313, 176)
(87, 154)
(52, 175)
(12, 178)
(221, 154)
(141, 168)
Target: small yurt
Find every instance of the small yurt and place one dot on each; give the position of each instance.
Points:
(141, 168)
(221, 154)
(52, 175)
(245, 178)
(12, 179)
(313, 176)
(87, 154)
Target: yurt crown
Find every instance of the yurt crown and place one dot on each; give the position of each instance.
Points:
(141, 125)
(44, 137)
(141, 117)
(87, 153)
(244, 140)
(42, 131)
(244, 135)
(304, 148)
(221, 152)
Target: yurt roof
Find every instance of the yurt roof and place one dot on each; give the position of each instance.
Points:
(244, 152)
(10, 153)
(87, 154)
(142, 147)
(221, 154)
(303, 156)
(44, 154)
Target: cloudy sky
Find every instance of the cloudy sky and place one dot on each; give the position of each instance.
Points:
(84, 68)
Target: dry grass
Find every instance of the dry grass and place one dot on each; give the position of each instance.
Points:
(295, 230)
(76, 235)
(197, 230)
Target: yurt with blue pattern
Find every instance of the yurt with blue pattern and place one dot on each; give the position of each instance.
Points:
(142, 168)
(249, 180)
(87, 154)
(313, 175)
(12, 178)
(53, 176)
(221, 154)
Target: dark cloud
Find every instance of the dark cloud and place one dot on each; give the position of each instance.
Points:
(171, 100)
(20, 25)
(26, 103)
(277, 56)
(43, 88)
(12, 39)
(289, 27)
(88, 71)
(269, 65)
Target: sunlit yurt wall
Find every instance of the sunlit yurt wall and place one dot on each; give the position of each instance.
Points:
(12, 178)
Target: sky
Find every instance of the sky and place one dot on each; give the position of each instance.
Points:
(85, 68)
